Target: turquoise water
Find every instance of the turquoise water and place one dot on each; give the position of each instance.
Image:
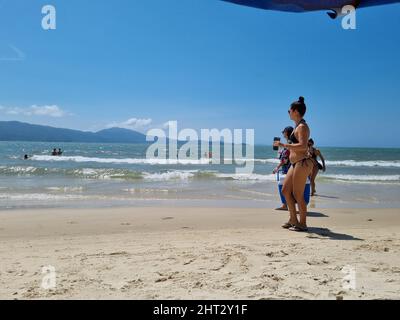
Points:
(120, 174)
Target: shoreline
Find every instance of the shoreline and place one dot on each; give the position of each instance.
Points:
(198, 253)
(243, 194)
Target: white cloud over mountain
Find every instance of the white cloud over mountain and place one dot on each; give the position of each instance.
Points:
(53, 111)
(132, 124)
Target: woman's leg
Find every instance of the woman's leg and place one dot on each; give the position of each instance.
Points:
(300, 174)
(312, 178)
(287, 191)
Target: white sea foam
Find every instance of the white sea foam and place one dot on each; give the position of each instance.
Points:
(350, 177)
(106, 174)
(146, 191)
(375, 163)
(247, 176)
(39, 197)
(348, 163)
(170, 175)
(18, 169)
(65, 189)
(274, 161)
(122, 161)
(88, 172)
(80, 159)
(191, 174)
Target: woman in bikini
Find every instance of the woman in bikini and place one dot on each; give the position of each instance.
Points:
(301, 169)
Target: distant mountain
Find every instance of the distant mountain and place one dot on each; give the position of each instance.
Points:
(19, 131)
(121, 135)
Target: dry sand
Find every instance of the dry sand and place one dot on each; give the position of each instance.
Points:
(199, 253)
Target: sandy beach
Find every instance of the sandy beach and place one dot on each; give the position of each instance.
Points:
(199, 253)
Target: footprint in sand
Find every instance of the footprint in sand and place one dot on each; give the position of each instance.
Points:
(188, 262)
(121, 253)
(132, 284)
(166, 276)
(395, 270)
(237, 259)
(277, 254)
(377, 247)
(317, 262)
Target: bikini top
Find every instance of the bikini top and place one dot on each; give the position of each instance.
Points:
(293, 136)
(293, 139)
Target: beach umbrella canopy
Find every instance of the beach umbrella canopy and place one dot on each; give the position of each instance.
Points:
(310, 5)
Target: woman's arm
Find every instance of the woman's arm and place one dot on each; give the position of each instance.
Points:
(277, 168)
(323, 160)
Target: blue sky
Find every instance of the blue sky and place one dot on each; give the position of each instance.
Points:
(204, 63)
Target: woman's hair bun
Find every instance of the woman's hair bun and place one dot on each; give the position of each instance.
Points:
(300, 106)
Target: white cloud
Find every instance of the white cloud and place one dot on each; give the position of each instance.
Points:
(50, 111)
(132, 124)
(53, 111)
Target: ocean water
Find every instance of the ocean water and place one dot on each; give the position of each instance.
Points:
(97, 175)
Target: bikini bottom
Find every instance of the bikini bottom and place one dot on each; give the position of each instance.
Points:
(304, 161)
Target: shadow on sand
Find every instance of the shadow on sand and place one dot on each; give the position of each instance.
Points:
(326, 197)
(317, 215)
(324, 233)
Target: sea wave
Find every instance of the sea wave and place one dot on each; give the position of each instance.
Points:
(197, 174)
(21, 170)
(246, 176)
(362, 178)
(40, 197)
(65, 189)
(126, 174)
(173, 175)
(152, 161)
(80, 159)
(374, 163)
(170, 175)
(90, 173)
(348, 163)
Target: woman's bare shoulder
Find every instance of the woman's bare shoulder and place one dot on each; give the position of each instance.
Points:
(303, 127)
